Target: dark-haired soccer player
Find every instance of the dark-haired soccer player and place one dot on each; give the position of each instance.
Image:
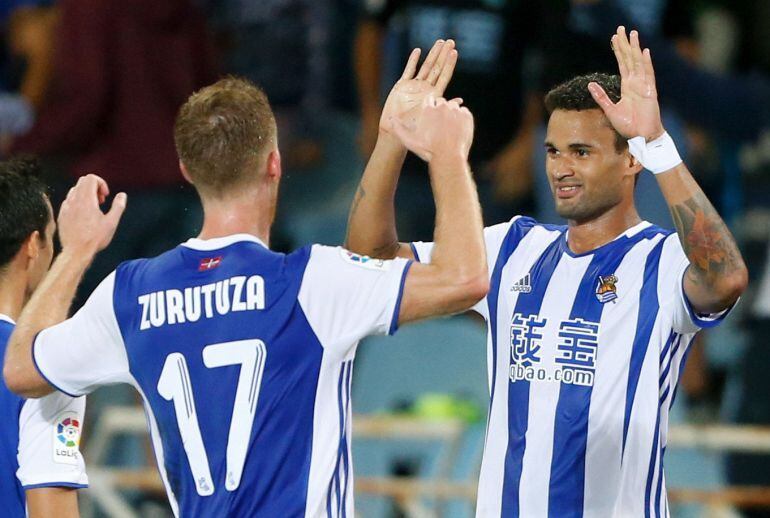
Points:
(243, 355)
(39, 438)
(589, 323)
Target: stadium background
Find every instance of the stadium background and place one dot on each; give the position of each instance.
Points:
(93, 86)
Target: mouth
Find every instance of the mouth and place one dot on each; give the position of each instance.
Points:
(567, 191)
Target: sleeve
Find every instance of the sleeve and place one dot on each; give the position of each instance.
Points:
(672, 267)
(49, 442)
(85, 351)
(346, 296)
(493, 239)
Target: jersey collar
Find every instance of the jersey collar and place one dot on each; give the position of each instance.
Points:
(220, 242)
(6, 318)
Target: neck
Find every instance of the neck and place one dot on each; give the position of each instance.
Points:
(13, 293)
(248, 212)
(589, 235)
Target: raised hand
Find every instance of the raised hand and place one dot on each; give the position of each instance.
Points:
(83, 227)
(441, 128)
(638, 112)
(414, 86)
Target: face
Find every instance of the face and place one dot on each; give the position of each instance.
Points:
(588, 176)
(42, 262)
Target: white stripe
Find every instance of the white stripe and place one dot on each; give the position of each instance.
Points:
(326, 436)
(158, 447)
(606, 414)
(544, 396)
(492, 475)
(641, 428)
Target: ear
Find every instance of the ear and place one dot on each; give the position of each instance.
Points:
(185, 173)
(31, 246)
(633, 166)
(273, 170)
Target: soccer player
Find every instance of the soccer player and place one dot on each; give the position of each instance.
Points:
(40, 464)
(244, 356)
(589, 323)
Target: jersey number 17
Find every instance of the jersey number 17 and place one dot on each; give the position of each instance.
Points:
(174, 385)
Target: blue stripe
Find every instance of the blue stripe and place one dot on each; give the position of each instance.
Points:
(397, 309)
(414, 252)
(567, 484)
(681, 369)
(648, 312)
(518, 393)
(516, 233)
(334, 483)
(68, 485)
(345, 459)
(651, 469)
(660, 483)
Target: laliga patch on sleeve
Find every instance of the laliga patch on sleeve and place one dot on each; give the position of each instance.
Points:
(364, 261)
(66, 438)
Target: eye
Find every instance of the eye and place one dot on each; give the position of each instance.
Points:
(582, 152)
(551, 151)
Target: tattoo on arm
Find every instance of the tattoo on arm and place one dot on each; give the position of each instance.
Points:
(706, 241)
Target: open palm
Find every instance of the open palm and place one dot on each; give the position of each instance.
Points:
(408, 94)
(637, 113)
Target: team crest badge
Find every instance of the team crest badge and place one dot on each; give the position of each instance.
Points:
(606, 291)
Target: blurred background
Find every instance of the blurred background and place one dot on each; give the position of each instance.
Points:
(94, 86)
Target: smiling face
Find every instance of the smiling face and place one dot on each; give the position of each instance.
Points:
(587, 173)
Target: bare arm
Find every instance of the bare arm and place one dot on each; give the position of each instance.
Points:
(717, 274)
(372, 221)
(45, 502)
(83, 231)
(457, 276)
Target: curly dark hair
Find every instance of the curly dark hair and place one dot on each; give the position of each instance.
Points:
(23, 205)
(573, 95)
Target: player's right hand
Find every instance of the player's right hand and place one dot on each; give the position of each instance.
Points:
(83, 227)
(415, 86)
(441, 129)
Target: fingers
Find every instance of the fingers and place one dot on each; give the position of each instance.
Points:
(649, 72)
(446, 72)
(636, 53)
(117, 209)
(441, 60)
(430, 60)
(601, 97)
(619, 57)
(620, 42)
(411, 64)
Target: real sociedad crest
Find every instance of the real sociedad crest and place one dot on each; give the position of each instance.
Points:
(606, 290)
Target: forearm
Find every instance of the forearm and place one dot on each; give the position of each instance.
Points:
(44, 502)
(372, 219)
(459, 242)
(717, 274)
(48, 306)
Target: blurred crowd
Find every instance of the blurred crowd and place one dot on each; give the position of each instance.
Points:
(94, 86)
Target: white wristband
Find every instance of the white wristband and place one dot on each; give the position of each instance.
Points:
(656, 156)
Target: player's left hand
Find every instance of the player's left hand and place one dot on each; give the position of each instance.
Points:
(83, 227)
(638, 112)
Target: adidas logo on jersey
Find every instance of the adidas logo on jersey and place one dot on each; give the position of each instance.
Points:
(522, 285)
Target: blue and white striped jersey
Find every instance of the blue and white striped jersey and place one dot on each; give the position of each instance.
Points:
(244, 359)
(39, 441)
(584, 354)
